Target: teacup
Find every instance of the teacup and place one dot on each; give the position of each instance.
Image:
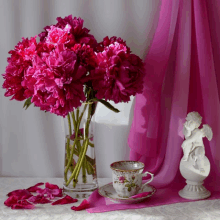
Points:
(127, 177)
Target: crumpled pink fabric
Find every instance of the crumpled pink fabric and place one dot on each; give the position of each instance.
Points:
(182, 75)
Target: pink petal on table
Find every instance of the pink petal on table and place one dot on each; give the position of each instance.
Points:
(21, 193)
(140, 195)
(44, 200)
(23, 204)
(35, 187)
(84, 205)
(11, 201)
(57, 192)
(15, 204)
(66, 200)
(24, 197)
(51, 193)
(41, 191)
(51, 186)
(39, 199)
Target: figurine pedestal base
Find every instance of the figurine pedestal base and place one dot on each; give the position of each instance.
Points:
(194, 191)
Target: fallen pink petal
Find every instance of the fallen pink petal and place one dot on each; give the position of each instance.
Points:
(55, 193)
(140, 195)
(39, 199)
(11, 201)
(14, 203)
(35, 187)
(66, 200)
(23, 204)
(40, 191)
(20, 193)
(51, 186)
(51, 193)
(84, 205)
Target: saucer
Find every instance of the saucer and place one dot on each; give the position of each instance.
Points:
(109, 192)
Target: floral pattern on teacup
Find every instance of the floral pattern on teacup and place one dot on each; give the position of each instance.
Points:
(128, 184)
(121, 179)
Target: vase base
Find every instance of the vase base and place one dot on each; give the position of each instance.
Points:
(81, 191)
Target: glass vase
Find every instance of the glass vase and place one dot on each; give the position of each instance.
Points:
(80, 178)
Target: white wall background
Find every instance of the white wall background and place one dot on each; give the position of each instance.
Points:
(31, 141)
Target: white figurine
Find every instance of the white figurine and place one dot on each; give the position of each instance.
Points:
(194, 165)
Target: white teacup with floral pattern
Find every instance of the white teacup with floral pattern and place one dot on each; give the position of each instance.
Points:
(127, 177)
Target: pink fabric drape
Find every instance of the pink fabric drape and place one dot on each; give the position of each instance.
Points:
(182, 75)
(183, 68)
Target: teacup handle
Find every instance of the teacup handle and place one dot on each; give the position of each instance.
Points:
(145, 174)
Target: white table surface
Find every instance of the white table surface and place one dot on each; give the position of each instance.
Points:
(206, 209)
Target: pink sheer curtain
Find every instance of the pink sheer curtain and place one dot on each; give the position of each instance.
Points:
(182, 75)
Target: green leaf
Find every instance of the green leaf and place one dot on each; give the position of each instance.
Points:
(133, 184)
(127, 185)
(27, 103)
(129, 189)
(107, 104)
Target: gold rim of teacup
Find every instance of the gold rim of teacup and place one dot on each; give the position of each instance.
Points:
(130, 161)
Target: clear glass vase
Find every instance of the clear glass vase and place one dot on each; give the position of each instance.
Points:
(80, 178)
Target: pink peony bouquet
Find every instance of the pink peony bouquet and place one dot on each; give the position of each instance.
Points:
(67, 68)
(57, 72)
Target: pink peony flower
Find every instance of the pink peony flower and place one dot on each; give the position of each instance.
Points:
(54, 71)
(86, 56)
(106, 42)
(26, 49)
(57, 35)
(57, 81)
(43, 47)
(119, 74)
(77, 34)
(19, 62)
